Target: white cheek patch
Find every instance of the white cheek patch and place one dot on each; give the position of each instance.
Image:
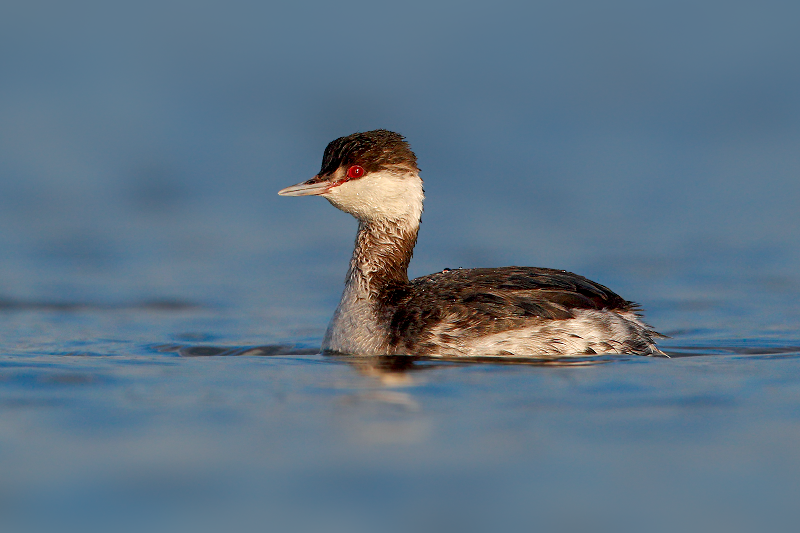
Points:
(380, 195)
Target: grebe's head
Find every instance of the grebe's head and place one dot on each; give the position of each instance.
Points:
(371, 175)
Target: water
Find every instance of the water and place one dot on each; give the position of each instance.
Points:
(161, 307)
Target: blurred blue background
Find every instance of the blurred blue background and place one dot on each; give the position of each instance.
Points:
(652, 146)
(142, 143)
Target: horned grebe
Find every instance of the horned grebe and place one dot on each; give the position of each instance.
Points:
(510, 311)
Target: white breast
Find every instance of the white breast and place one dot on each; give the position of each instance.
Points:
(353, 328)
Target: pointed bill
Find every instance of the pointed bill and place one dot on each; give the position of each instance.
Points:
(307, 188)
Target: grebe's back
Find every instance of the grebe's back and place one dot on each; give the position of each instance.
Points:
(512, 311)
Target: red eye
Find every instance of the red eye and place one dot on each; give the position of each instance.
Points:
(355, 172)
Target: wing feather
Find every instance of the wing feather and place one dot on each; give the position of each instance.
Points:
(487, 300)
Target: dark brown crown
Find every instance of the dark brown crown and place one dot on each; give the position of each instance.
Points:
(373, 150)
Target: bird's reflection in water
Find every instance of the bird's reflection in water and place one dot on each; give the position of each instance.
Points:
(404, 370)
(389, 370)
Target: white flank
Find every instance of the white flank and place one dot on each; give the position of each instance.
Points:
(601, 331)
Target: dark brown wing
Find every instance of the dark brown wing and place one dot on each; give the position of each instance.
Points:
(487, 300)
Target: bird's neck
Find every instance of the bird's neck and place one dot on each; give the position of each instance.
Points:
(381, 256)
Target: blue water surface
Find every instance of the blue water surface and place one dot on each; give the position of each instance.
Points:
(161, 308)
